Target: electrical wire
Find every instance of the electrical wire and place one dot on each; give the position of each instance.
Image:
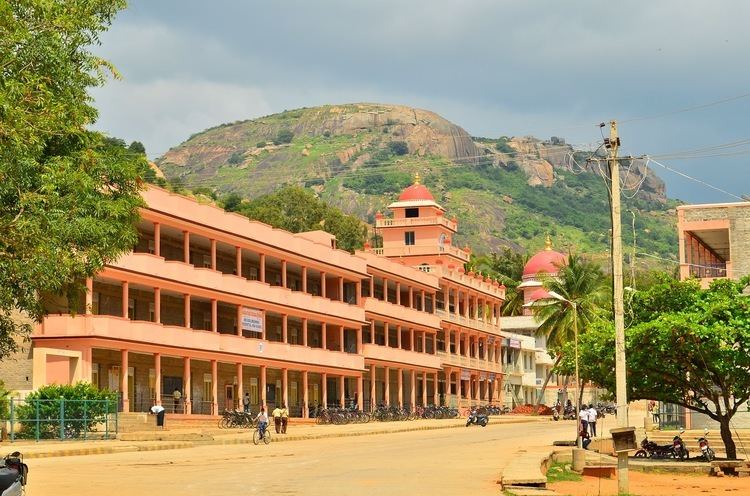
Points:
(700, 181)
(686, 109)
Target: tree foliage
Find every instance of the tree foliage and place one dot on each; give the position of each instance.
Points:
(297, 210)
(69, 197)
(283, 136)
(686, 346)
(507, 267)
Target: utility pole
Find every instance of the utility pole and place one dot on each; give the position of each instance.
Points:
(613, 145)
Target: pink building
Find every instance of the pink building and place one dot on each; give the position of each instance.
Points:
(214, 306)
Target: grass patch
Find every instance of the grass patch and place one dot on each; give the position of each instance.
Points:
(561, 472)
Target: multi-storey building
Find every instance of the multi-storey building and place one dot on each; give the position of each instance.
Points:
(214, 306)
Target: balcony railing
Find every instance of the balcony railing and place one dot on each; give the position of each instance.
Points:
(478, 325)
(463, 278)
(512, 369)
(415, 250)
(466, 362)
(417, 221)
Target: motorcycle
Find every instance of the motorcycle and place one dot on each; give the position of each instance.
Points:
(570, 414)
(477, 418)
(706, 451)
(679, 450)
(13, 475)
(650, 449)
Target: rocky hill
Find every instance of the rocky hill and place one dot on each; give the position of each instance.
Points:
(504, 191)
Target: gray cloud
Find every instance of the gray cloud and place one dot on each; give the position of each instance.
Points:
(494, 67)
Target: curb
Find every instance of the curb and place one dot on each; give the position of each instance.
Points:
(106, 450)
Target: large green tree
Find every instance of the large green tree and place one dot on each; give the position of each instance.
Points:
(505, 266)
(69, 198)
(297, 210)
(581, 282)
(687, 346)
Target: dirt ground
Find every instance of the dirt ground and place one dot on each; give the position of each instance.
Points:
(650, 484)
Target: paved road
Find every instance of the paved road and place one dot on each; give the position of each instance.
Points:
(448, 461)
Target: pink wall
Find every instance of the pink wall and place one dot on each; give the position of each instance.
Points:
(58, 370)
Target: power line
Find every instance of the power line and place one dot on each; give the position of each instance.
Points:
(700, 181)
(687, 109)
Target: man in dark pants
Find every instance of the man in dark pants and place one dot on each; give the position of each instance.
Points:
(277, 419)
(284, 418)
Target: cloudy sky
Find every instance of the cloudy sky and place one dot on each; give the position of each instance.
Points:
(494, 67)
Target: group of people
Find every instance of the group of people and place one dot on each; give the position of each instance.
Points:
(587, 418)
(280, 416)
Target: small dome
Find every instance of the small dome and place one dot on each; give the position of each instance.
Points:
(546, 261)
(416, 191)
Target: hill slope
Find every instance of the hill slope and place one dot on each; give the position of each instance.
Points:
(504, 192)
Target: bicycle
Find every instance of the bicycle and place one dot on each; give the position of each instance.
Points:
(266, 435)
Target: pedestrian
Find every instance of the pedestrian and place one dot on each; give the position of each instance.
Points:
(585, 439)
(262, 419)
(176, 395)
(284, 418)
(593, 414)
(583, 418)
(654, 411)
(277, 419)
(246, 403)
(158, 410)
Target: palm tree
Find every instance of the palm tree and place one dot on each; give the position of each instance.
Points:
(579, 281)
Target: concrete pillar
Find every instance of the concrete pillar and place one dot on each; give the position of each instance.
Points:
(323, 332)
(435, 395)
(400, 387)
(424, 388)
(238, 260)
(304, 279)
(372, 332)
(322, 284)
(157, 378)
(305, 397)
(239, 320)
(157, 239)
(89, 296)
(304, 333)
(213, 254)
(157, 305)
(186, 247)
(342, 393)
(413, 389)
(324, 389)
(187, 311)
(214, 387)
(359, 341)
(411, 339)
(358, 294)
(398, 336)
(125, 297)
(424, 342)
(411, 297)
(285, 387)
(341, 339)
(424, 300)
(214, 315)
(124, 380)
(262, 264)
(372, 286)
(341, 289)
(398, 293)
(284, 328)
(360, 392)
(372, 387)
(386, 331)
(240, 384)
(455, 302)
(263, 385)
(186, 388)
(387, 388)
(283, 274)
(385, 289)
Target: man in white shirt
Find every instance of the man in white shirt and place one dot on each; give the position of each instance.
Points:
(593, 414)
(158, 410)
(583, 417)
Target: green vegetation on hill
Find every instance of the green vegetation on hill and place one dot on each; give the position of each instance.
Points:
(359, 157)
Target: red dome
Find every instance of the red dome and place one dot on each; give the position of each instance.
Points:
(547, 262)
(416, 192)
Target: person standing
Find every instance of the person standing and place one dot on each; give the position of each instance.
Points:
(593, 414)
(277, 419)
(583, 418)
(246, 403)
(284, 418)
(176, 395)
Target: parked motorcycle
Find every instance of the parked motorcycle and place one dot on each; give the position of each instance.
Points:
(477, 418)
(570, 414)
(13, 474)
(678, 447)
(650, 449)
(706, 451)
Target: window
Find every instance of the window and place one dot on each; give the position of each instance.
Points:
(412, 213)
(409, 238)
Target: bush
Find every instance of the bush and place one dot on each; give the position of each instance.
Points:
(283, 136)
(398, 147)
(260, 144)
(4, 401)
(235, 158)
(326, 133)
(80, 416)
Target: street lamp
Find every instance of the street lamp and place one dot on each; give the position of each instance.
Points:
(556, 296)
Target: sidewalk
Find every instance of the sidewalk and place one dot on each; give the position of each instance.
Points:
(188, 438)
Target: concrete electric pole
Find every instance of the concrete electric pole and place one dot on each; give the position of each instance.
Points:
(613, 144)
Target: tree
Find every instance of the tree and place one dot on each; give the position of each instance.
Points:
(297, 210)
(507, 267)
(232, 202)
(283, 136)
(579, 281)
(137, 147)
(687, 346)
(69, 197)
(235, 158)
(398, 147)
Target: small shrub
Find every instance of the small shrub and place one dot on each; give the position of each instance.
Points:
(398, 147)
(326, 133)
(283, 136)
(235, 158)
(260, 144)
